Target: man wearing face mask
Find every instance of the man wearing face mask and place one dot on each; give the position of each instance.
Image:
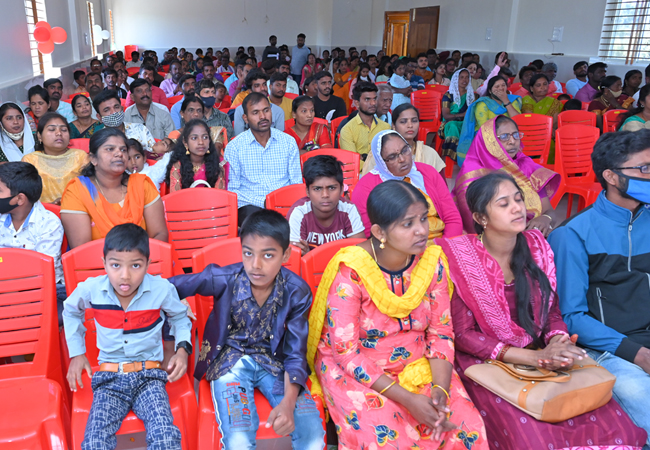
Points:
(213, 117)
(110, 112)
(603, 265)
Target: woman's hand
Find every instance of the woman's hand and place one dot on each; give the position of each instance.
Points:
(424, 411)
(560, 353)
(541, 223)
(501, 62)
(503, 97)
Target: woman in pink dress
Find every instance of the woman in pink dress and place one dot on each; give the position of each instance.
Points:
(381, 341)
(505, 307)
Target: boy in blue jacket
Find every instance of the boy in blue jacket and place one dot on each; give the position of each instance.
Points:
(603, 269)
(256, 337)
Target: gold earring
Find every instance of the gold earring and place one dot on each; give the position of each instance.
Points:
(381, 244)
(187, 150)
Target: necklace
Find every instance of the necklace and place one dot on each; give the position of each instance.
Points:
(196, 168)
(102, 191)
(374, 253)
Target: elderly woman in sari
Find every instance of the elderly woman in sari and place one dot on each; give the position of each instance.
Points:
(380, 345)
(16, 138)
(497, 146)
(394, 161)
(537, 101)
(505, 308)
(454, 106)
(495, 103)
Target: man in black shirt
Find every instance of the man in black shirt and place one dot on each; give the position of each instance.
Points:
(271, 51)
(325, 102)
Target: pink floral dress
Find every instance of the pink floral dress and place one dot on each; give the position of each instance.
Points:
(359, 344)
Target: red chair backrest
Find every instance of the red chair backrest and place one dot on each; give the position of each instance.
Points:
(224, 253)
(428, 103)
(612, 119)
(315, 261)
(437, 88)
(538, 132)
(576, 118)
(225, 75)
(291, 122)
(335, 126)
(56, 209)
(28, 314)
(585, 106)
(281, 200)
(514, 87)
(175, 99)
(351, 163)
(81, 144)
(573, 147)
(132, 71)
(291, 95)
(196, 217)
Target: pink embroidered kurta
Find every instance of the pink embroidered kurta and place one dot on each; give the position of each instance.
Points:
(359, 344)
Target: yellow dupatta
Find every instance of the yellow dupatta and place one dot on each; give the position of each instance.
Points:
(414, 375)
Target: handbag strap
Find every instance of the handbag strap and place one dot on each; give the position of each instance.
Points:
(533, 374)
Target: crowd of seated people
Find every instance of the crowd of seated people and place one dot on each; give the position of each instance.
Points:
(442, 281)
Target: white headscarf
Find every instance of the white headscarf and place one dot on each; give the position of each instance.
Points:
(9, 147)
(381, 168)
(454, 91)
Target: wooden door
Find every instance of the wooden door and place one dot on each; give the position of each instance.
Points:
(396, 31)
(423, 30)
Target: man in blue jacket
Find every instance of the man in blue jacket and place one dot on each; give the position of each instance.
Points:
(603, 269)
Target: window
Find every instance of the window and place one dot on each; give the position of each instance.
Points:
(626, 31)
(35, 12)
(110, 17)
(91, 22)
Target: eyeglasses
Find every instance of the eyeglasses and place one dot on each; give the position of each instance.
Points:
(392, 158)
(643, 169)
(506, 136)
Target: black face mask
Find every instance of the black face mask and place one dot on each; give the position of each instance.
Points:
(5, 207)
(209, 101)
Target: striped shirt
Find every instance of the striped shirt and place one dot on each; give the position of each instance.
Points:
(131, 335)
(256, 171)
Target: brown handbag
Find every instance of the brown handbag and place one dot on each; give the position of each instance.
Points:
(549, 396)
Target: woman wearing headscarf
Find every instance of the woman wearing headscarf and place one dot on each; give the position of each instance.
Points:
(394, 161)
(16, 138)
(454, 106)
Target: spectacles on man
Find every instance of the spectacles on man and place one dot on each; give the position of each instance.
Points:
(393, 157)
(645, 169)
(505, 137)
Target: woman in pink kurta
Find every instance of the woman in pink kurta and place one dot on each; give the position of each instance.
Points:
(359, 344)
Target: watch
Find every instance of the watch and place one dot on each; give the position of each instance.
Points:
(185, 346)
(507, 104)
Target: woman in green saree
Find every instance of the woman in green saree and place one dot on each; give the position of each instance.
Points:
(454, 106)
(538, 102)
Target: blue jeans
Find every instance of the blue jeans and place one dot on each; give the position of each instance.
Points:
(234, 406)
(632, 388)
(115, 394)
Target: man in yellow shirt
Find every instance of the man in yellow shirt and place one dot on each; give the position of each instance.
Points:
(278, 85)
(357, 134)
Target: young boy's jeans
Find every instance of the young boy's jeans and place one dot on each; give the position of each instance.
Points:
(115, 394)
(237, 418)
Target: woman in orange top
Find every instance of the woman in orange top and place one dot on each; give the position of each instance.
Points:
(105, 195)
(195, 160)
(308, 135)
(341, 86)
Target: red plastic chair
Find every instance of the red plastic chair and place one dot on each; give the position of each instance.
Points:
(132, 71)
(315, 261)
(224, 253)
(291, 122)
(225, 75)
(292, 96)
(281, 200)
(81, 144)
(429, 104)
(514, 87)
(351, 163)
(197, 217)
(573, 147)
(84, 262)
(335, 126)
(538, 131)
(585, 106)
(35, 415)
(56, 209)
(612, 120)
(576, 118)
(175, 99)
(437, 88)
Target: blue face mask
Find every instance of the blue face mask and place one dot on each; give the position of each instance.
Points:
(634, 187)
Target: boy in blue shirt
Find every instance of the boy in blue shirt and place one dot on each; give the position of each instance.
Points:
(256, 337)
(129, 306)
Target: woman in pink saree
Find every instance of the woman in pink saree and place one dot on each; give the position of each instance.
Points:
(497, 146)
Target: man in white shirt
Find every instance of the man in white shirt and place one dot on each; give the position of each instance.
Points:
(284, 67)
(135, 60)
(577, 83)
(54, 88)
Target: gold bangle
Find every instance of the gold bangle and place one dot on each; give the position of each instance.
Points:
(546, 215)
(386, 388)
(442, 389)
